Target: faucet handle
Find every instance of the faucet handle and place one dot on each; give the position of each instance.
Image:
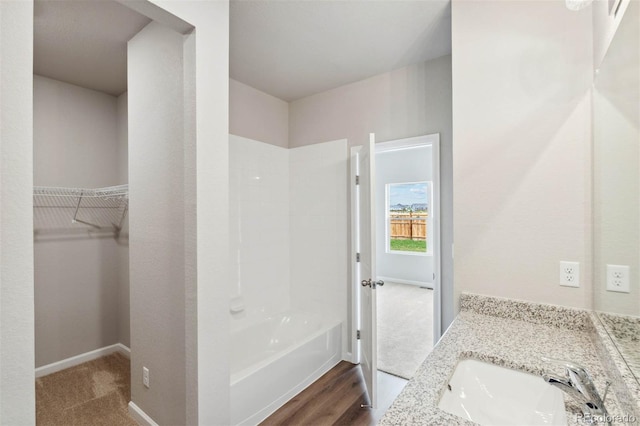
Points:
(578, 384)
(568, 365)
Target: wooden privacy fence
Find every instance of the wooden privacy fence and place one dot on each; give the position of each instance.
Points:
(408, 226)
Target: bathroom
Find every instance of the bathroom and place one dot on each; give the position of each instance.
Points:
(519, 168)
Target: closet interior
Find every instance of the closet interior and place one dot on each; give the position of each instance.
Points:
(114, 212)
(81, 210)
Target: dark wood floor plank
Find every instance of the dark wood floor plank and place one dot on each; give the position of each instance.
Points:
(346, 396)
(334, 399)
(305, 399)
(356, 415)
(304, 403)
(319, 399)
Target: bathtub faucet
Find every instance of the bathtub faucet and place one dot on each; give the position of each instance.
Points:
(579, 385)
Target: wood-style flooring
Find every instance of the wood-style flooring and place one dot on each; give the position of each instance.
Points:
(336, 399)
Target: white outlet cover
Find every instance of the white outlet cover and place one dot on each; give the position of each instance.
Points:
(618, 278)
(570, 274)
(145, 376)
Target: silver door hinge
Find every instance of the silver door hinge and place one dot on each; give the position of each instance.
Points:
(357, 257)
(357, 180)
(358, 335)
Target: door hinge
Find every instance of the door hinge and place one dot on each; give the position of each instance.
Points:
(357, 257)
(357, 180)
(358, 335)
(434, 276)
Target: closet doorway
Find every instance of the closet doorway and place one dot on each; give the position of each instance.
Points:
(111, 152)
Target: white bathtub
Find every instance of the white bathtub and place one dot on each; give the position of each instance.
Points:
(273, 360)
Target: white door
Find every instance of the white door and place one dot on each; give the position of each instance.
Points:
(368, 329)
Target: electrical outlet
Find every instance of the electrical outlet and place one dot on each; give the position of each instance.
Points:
(618, 278)
(570, 274)
(145, 376)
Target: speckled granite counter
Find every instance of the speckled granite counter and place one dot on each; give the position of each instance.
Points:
(625, 332)
(508, 333)
(625, 382)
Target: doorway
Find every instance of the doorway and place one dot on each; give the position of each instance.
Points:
(417, 227)
(80, 208)
(406, 192)
(106, 156)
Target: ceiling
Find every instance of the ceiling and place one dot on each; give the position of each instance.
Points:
(289, 49)
(84, 42)
(292, 49)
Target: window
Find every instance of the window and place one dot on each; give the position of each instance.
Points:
(408, 219)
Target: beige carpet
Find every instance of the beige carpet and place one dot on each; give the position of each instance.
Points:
(405, 328)
(94, 393)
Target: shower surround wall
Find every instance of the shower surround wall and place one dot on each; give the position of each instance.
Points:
(259, 210)
(289, 229)
(78, 281)
(318, 212)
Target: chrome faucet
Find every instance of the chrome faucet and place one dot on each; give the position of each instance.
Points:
(579, 385)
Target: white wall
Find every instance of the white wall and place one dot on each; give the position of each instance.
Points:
(318, 229)
(206, 62)
(257, 115)
(207, 334)
(75, 136)
(408, 165)
(17, 391)
(605, 25)
(76, 277)
(522, 131)
(406, 102)
(157, 221)
(259, 200)
(616, 168)
(410, 101)
(124, 332)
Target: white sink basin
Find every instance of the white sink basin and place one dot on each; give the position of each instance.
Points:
(491, 395)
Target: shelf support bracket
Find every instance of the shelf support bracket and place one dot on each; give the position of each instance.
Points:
(75, 215)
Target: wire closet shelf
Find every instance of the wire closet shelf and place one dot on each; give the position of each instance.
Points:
(59, 209)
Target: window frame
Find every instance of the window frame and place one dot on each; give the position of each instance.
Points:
(428, 220)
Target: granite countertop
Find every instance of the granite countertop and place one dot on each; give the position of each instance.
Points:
(508, 333)
(625, 330)
(625, 382)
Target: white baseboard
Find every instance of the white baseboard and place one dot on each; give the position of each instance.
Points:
(140, 416)
(411, 282)
(79, 359)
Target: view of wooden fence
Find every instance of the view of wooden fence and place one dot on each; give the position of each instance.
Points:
(408, 226)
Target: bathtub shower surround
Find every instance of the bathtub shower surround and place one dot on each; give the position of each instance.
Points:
(318, 243)
(274, 360)
(288, 292)
(259, 217)
(289, 229)
(511, 334)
